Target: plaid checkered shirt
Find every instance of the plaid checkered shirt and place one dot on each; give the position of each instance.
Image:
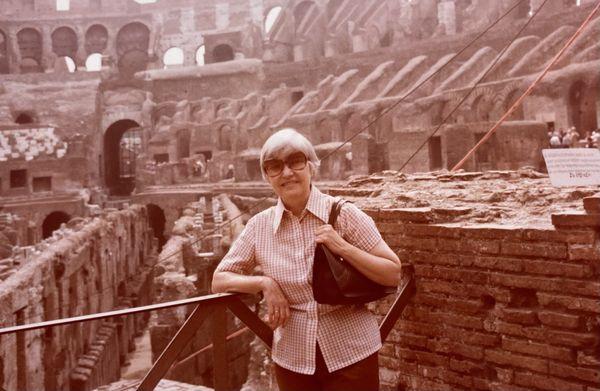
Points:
(284, 245)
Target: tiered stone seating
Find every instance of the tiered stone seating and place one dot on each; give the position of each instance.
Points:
(30, 144)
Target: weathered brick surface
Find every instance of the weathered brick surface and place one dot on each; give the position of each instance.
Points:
(496, 308)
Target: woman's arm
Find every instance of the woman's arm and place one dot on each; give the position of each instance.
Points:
(379, 264)
(278, 309)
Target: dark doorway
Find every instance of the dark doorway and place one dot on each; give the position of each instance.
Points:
(52, 222)
(222, 53)
(435, 153)
(582, 107)
(297, 96)
(24, 118)
(378, 156)
(122, 143)
(30, 47)
(157, 220)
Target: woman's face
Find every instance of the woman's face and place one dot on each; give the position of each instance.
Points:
(293, 182)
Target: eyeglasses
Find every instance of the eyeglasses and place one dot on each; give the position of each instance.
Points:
(295, 161)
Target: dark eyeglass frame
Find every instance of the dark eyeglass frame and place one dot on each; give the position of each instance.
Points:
(274, 167)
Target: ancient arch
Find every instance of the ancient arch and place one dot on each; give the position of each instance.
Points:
(173, 56)
(222, 53)
(157, 220)
(29, 41)
(511, 98)
(133, 41)
(52, 222)
(225, 138)
(93, 63)
(96, 39)
(582, 101)
(3, 53)
(301, 10)
(65, 64)
(64, 42)
(271, 17)
(120, 153)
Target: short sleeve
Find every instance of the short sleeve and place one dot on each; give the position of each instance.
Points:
(240, 258)
(358, 228)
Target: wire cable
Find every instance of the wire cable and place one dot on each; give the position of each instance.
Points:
(494, 128)
(474, 87)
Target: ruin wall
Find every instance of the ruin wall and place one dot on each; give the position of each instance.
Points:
(184, 269)
(100, 264)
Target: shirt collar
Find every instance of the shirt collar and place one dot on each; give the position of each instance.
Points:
(317, 205)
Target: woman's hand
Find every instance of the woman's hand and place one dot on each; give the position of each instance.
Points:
(278, 308)
(326, 235)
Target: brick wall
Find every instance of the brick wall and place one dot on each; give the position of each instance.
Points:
(497, 307)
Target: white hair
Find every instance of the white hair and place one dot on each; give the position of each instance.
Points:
(289, 139)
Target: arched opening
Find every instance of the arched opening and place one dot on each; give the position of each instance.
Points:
(52, 222)
(582, 107)
(64, 42)
(157, 220)
(3, 53)
(173, 57)
(271, 18)
(222, 53)
(518, 114)
(64, 65)
(93, 62)
(30, 48)
(301, 11)
(63, 5)
(96, 39)
(24, 118)
(200, 55)
(225, 138)
(133, 40)
(122, 143)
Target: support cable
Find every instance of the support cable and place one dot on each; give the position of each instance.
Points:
(474, 87)
(528, 91)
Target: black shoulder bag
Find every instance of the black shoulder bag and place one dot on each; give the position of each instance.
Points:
(336, 281)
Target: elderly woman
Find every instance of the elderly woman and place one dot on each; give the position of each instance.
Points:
(315, 346)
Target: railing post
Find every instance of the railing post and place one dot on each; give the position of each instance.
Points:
(406, 292)
(219, 340)
(179, 341)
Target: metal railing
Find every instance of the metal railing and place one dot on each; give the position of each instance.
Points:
(214, 306)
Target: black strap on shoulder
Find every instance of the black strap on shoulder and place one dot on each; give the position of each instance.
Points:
(335, 211)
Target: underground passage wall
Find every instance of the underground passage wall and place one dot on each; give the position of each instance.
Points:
(98, 264)
(497, 307)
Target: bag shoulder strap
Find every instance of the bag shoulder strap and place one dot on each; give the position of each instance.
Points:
(335, 211)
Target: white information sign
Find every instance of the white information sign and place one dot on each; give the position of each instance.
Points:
(573, 166)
